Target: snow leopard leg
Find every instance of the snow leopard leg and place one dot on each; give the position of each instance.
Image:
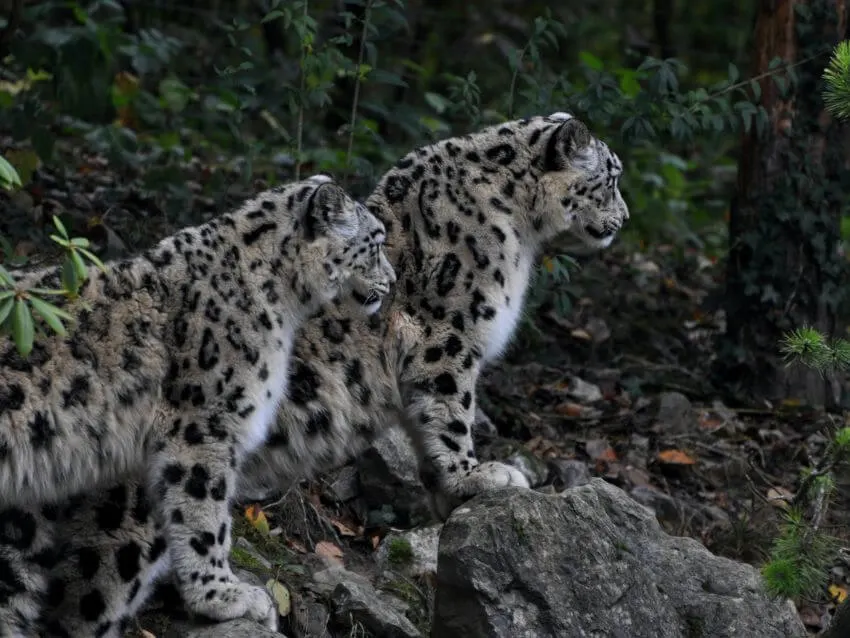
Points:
(114, 552)
(27, 551)
(437, 384)
(194, 485)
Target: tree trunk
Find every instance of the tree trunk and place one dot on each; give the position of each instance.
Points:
(784, 268)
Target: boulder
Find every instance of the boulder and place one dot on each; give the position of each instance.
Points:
(590, 562)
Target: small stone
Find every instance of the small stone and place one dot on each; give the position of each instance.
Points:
(674, 412)
(388, 474)
(570, 472)
(598, 449)
(309, 618)
(420, 557)
(354, 603)
(342, 485)
(665, 507)
(326, 580)
(582, 391)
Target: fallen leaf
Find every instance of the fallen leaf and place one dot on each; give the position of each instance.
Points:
(343, 529)
(144, 633)
(329, 550)
(569, 408)
(375, 539)
(838, 593)
(708, 421)
(579, 333)
(281, 596)
(257, 517)
(25, 248)
(779, 496)
(675, 457)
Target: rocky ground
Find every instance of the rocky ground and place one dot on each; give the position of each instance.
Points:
(615, 389)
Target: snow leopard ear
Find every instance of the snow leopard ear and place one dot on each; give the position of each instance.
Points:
(331, 212)
(567, 144)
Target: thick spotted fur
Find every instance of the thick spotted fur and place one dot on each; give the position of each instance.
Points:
(466, 219)
(173, 372)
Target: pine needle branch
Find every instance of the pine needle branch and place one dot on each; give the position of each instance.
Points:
(836, 96)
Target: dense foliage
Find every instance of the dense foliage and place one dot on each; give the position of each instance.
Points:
(267, 91)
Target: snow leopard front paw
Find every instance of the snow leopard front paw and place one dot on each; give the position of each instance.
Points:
(482, 478)
(234, 599)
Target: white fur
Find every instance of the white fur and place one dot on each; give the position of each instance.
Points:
(262, 419)
(507, 317)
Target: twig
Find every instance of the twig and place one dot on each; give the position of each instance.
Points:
(768, 73)
(355, 101)
(302, 85)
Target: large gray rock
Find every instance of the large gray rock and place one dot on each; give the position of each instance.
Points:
(239, 628)
(590, 563)
(389, 476)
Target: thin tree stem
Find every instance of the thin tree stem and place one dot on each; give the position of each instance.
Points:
(354, 103)
(299, 144)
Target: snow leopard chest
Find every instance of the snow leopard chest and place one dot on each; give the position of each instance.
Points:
(508, 303)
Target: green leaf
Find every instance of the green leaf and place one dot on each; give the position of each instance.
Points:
(60, 227)
(79, 265)
(22, 328)
(436, 102)
(5, 309)
(80, 242)
(629, 84)
(272, 15)
(591, 61)
(46, 291)
(733, 73)
(69, 276)
(175, 94)
(49, 313)
(6, 278)
(8, 175)
(93, 258)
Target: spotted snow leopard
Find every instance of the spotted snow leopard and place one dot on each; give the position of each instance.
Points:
(173, 372)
